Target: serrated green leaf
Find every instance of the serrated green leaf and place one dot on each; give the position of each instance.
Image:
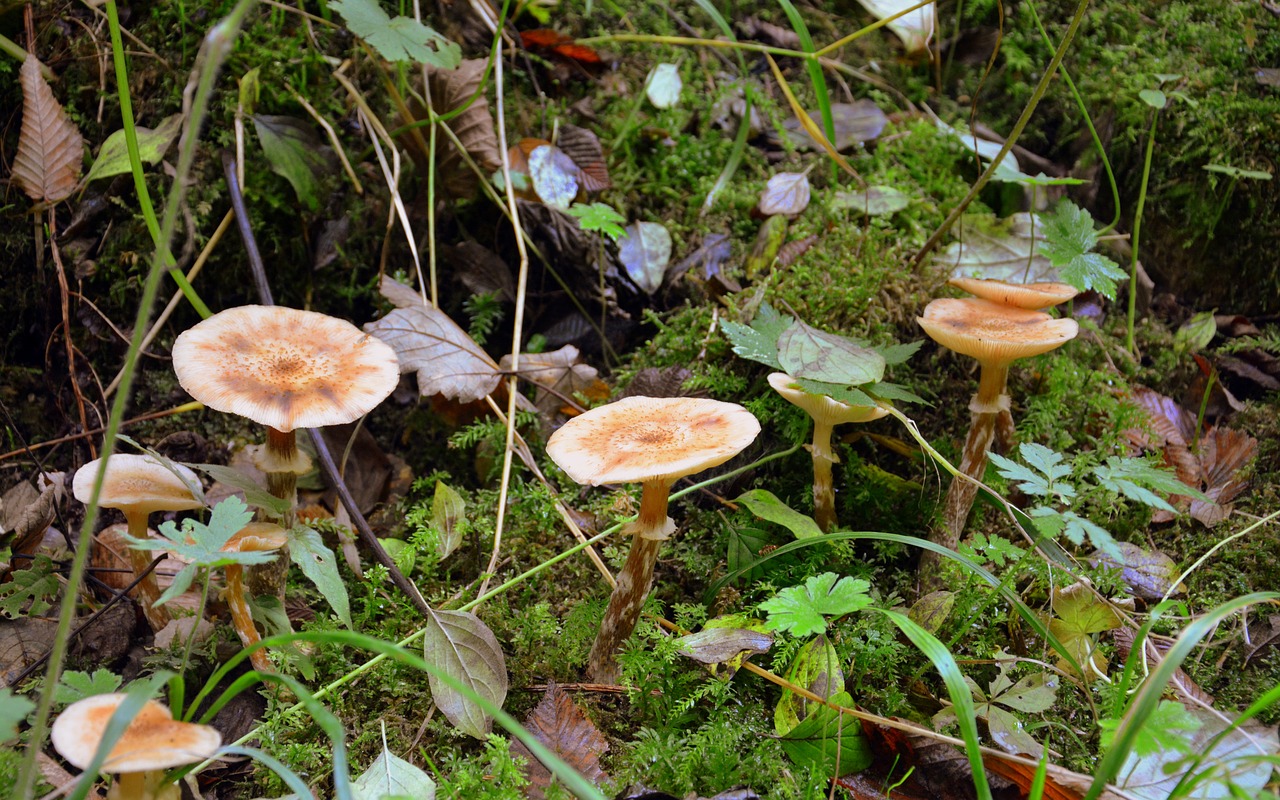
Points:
(767, 506)
(1028, 481)
(464, 648)
(759, 342)
(74, 685)
(1069, 240)
(801, 609)
(318, 563)
(113, 158)
(849, 395)
(599, 217)
(829, 742)
(1134, 478)
(30, 592)
(806, 352)
(398, 39)
(13, 710)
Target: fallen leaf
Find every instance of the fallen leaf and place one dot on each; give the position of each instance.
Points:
(1078, 614)
(400, 38)
(875, 201)
(1006, 250)
(390, 776)
(556, 43)
(855, 123)
(828, 741)
(22, 641)
(583, 148)
(559, 375)
(645, 252)
(447, 361)
(554, 176)
(914, 28)
(663, 85)
(365, 468)
(481, 270)
(1224, 455)
(50, 149)
(786, 193)
(932, 610)
(27, 511)
(113, 157)
(718, 645)
(1181, 683)
(1242, 757)
(707, 261)
(458, 643)
(792, 250)
(562, 728)
(1147, 573)
(452, 89)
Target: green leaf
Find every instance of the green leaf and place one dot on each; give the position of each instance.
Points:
(1237, 172)
(30, 592)
(759, 342)
(663, 85)
(829, 742)
(1069, 240)
(75, 685)
(201, 544)
(806, 352)
(767, 506)
(849, 395)
(1166, 729)
(1079, 615)
(295, 153)
(464, 648)
(13, 710)
(744, 551)
(1032, 695)
(1132, 477)
(318, 563)
(391, 776)
(599, 217)
(1046, 461)
(447, 509)
(1154, 98)
(398, 39)
(254, 494)
(816, 668)
(113, 158)
(874, 201)
(801, 609)
(1195, 334)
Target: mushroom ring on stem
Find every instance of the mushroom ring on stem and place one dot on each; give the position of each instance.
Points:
(826, 413)
(285, 369)
(652, 441)
(996, 335)
(152, 743)
(139, 486)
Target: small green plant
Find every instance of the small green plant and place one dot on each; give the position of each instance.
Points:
(599, 218)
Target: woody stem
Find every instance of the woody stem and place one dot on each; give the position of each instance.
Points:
(629, 595)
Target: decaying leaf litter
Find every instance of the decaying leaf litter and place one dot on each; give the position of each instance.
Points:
(661, 219)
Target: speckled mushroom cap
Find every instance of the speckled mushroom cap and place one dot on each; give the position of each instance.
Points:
(993, 333)
(1035, 296)
(640, 439)
(257, 536)
(285, 368)
(137, 482)
(823, 409)
(154, 739)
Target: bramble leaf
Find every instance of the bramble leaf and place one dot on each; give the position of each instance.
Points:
(1069, 241)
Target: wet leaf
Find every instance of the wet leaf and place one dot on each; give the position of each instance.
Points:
(786, 193)
(663, 85)
(914, 28)
(554, 176)
(806, 352)
(390, 776)
(447, 361)
(50, 149)
(447, 508)
(560, 725)
(398, 39)
(113, 158)
(767, 506)
(295, 153)
(718, 645)
(876, 201)
(452, 89)
(829, 742)
(318, 563)
(645, 252)
(463, 647)
(1147, 573)
(855, 123)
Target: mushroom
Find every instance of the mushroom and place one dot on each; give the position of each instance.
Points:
(996, 335)
(255, 537)
(137, 486)
(826, 413)
(654, 441)
(1031, 296)
(285, 369)
(153, 742)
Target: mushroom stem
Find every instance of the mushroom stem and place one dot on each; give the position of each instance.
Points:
(650, 528)
(282, 464)
(992, 380)
(242, 619)
(149, 785)
(140, 560)
(824, 493)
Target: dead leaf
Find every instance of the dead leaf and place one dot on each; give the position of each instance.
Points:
(25, 511)
(448, 361)
(707, 262)
(855, 123)
(583, 148)
(790, 252)
(554, 176)
(562, 727)
(559, 376)
(718, 645)
(1224, 455)
(659, 382)
(481, 270)
(1060, 784)
(1147, 573)
(1173, 426)
(645, 252)
(1186, 689)
(50, 149)
(366, 469)
(451, 89)
(786, 193)
(22, 641)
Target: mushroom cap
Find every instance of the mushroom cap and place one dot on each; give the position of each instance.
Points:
(993, 333)
(257, 536)
(823, 409)
(1035, 296)
(285, 368)
(153, 740)
(137, 482)
(641, 439)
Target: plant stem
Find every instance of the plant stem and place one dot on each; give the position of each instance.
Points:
(1137, 230)
(824, 493)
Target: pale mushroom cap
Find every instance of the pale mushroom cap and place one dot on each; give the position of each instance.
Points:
(257, 536)
(993, 333)
(137, 482)
(1035, 296)
(823, 409)
(153, 740)
(285, 368)
(640, 439)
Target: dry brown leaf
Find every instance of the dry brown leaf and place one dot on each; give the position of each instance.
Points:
(583, 148)
(1224, 454)
(1181, 683)
(558, 374)
(1173, 427)
(562, 727)
(451, 89)
(50, 149)
(22, 641)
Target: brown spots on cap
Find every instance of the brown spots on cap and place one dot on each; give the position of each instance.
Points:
(991, 332)
(152, 741)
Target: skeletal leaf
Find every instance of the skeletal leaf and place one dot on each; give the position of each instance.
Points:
(663, 86)
(50, 149)
(464, 647)
(787, 193)
(113, 158)
(645, 251)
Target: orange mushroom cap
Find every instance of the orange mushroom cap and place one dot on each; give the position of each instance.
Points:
(640, 439)
(823, 409)
(994, 333)
(153, 740)
(256, 537)
(1034, 296)
(285, 368)
(137, 482)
